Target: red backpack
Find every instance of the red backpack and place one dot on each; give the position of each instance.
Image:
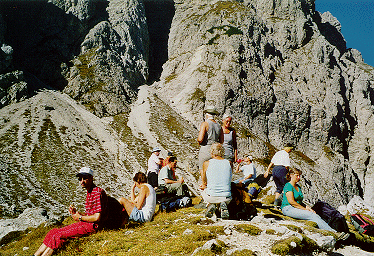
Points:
(363, 224)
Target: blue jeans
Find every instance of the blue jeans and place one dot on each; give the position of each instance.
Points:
(306, 215)
(137, 215)
(279, 177)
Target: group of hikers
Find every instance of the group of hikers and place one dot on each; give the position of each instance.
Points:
(217, 155)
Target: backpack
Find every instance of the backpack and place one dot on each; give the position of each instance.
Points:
(363, 224)
(116, 214)
(174, 203)
(332, 216)
(238, 209)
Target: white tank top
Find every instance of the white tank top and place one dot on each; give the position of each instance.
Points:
(149, 204)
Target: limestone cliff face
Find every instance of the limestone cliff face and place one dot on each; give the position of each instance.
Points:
(279, 67)
(113, 60)
(284, 72)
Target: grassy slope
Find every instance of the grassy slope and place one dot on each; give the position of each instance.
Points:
(165, 235)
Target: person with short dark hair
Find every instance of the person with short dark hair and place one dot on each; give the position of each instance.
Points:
(142, 207)
(168, 179)
(87, 223)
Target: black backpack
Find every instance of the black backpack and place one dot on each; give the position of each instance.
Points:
(116, 214)
(332, 216)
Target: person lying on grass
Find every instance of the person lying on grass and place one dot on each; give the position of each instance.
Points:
(142, 207)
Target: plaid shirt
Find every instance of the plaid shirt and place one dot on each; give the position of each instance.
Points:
(96, 201)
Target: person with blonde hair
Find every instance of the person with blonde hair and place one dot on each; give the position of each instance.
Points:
(216, 182)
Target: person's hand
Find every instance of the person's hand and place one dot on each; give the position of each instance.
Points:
(309, 209)
(76, 216)
(72, 210)
(203, 186)
(181, 180)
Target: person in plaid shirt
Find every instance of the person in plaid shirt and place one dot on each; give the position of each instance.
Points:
(90, 222)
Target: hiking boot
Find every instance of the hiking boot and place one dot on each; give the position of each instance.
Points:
(201, 205)
(224, 211)
(210, 210)
(342, 236)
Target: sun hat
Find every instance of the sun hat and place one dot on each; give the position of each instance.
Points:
(85, 171)
(156, 149)
(211, 110)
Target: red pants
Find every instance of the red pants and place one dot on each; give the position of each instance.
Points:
(57, 236)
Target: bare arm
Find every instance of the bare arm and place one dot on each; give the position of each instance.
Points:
(235, 145)
(203, 128)
(132, 194)
(291, 200)
(238, 168)
(248, 177)
(268, 170)
(167, 181)
(221, 136)
(203, 175)
(141, 197)
(87, 218)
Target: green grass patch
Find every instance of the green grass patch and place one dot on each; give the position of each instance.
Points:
(198, 95)
(249, 229)
(171, 77)
(244, 252)
(293, 245)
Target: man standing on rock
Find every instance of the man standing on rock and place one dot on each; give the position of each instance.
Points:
(90, 222)
(281, 163)
(154, 163)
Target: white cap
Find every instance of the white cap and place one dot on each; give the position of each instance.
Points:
(85, 171)
(156, 149)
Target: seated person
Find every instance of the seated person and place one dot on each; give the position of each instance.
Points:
(167, 178)
(216, 182)
(293, 206)
(86, 223)
(249, 171)
(254, 188)
(142, 207)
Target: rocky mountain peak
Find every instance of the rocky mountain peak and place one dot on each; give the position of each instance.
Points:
(280, 68)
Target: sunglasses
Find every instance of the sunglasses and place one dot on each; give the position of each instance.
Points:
(83, 178)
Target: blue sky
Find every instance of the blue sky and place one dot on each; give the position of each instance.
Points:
(357, 20)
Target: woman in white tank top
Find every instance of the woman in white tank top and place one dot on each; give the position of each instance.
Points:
(140, 208)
